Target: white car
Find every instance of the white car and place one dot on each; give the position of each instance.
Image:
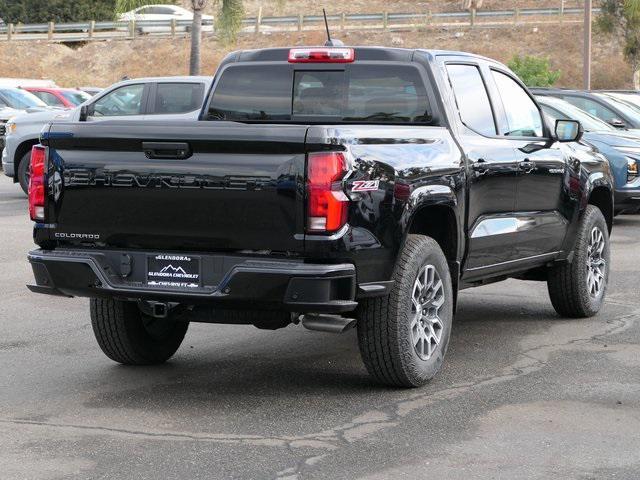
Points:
(157, 18)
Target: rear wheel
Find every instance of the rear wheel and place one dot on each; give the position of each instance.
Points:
(23, 171)
(403, 337)
(128, 336)
(577, 289)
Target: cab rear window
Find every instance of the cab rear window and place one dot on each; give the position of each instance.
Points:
(355, 93)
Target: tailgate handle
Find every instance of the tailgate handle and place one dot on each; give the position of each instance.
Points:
(166, 150)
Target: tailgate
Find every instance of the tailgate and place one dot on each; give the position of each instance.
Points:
(192, 186)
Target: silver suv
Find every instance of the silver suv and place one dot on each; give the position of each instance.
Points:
(155, 98)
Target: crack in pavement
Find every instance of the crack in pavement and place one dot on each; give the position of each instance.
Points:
(220, 438)
(372, 421)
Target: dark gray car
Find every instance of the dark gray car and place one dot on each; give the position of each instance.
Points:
(615, 112)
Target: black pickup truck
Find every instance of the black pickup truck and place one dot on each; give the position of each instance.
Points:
(328, 186)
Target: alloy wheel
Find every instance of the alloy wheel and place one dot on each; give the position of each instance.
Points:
(596, 263)
(427, 299)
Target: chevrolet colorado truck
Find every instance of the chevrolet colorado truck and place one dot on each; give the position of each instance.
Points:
(330, 186)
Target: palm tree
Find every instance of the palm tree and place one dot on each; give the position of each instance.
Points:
(196, 36)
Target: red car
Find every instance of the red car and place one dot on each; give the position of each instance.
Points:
(59, 97)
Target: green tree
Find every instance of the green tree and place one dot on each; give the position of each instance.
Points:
(622, 19)
(534, 71)
(38, 11)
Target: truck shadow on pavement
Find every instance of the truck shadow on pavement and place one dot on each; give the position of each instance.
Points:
(294, 366)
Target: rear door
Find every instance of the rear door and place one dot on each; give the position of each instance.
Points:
(175, 100)
(493, 171)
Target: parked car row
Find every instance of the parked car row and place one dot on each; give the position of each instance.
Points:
(19, 96)
(612, 124)
(60, 97)
(14, 101)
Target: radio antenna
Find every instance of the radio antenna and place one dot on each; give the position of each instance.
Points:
(330, 42)
(326, 24)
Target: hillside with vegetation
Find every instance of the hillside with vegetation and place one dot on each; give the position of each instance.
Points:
(101, 63)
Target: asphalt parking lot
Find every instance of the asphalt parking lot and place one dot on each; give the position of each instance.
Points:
(523, 395)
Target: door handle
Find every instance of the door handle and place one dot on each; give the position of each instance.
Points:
(166, 150)
(527, 166)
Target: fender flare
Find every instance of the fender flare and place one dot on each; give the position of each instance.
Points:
(594, 181)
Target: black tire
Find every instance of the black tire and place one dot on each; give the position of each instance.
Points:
(385, 333)
(128, 336)
(23, 172)
(568, 283)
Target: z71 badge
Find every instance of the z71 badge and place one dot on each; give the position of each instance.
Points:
(365, 185)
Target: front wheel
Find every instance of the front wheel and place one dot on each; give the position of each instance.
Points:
(403, 337)
(577, 289)
(128, 336)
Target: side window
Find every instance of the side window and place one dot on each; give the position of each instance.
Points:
(49, 98)
(594, 108)
(523, 116)
(125, 100)
(178, 97)
(472, 98)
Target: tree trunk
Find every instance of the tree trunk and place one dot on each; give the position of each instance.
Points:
(196, 40)
(636, 78)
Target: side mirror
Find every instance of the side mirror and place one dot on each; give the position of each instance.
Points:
(568, 130)
(616, 122)
(85, 112)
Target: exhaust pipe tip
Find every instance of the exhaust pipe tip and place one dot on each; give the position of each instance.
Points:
(327, 323)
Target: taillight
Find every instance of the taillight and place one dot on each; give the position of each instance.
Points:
(37, 182)
(321, 55)
(327, 204)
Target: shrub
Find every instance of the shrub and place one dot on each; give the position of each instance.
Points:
(534, 71)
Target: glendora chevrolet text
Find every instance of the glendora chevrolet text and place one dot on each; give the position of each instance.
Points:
(333, 187)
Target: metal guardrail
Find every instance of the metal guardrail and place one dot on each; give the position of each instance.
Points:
(92, 30)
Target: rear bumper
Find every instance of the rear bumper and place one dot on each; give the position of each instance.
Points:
(227, 280)
(627, 200)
